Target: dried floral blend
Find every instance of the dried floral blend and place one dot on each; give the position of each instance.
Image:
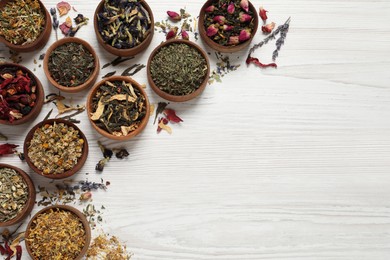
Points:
(118, 107)
(17, 93)
(56, 234)
(123, 24)
(22, 21)
(71, 64)
(229, 22)
(13, 194)
(178, 69)
(55, 148)
(106, 247)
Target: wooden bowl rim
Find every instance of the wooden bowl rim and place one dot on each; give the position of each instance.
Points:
(221, 48)
(65, 174)
(31, 196)
(164, 94)
(130, 51)
(144, 121)
(40, 93)
(71, 209)
(92, 78)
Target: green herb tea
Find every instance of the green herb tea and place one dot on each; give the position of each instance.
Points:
(71, 64)
(13, 194)
(21, 21)
(118, 107)
(178, 69)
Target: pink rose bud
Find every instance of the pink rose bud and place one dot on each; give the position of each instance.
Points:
(244, 18)
(184, 35)
(231, 8)
(86, 196)
(244, 35)
(227, 28)
(244, 5)
(210, 9)
(219, 19)
(172, 33)
(268, 28)
(233, 40)
(211, 30)
(174, 16)
(263, 14)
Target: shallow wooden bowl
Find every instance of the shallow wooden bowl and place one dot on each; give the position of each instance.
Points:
(66, 208)
(92, 78)
(225, 49)
(31, 196)
(65, 174)
(124, 52)
(104, 133)
(164, 94)
(39, 94)
(39, 42)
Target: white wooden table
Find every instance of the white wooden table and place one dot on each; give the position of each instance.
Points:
(287, 163)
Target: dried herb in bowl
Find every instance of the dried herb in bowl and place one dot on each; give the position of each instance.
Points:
(21, 21)
(71, 64)
(55, 148)
(13, 194)
(17, 93)
(178, 69)
(118, 108)
(123, 24)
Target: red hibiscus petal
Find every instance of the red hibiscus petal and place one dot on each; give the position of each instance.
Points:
(171, 116)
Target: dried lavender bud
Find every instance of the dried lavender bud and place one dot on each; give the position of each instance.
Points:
(122, 153)
(280, 41)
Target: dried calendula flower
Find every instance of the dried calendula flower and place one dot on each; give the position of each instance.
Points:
(56, 234)
(106, 247)
(55, 148)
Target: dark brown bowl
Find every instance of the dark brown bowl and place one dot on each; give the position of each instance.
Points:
(164, 94)
(66, 208)
(65, 174)
(124, 52)
(31, 197)
(225, 49)
(104, 133)
(90, 81)
(39, 42)
(39, 94)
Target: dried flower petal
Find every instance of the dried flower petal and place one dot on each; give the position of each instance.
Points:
(244, 5)
(63, 8)
(244, 18)
(174, 16)
(7, 148)
(184, 35)
(231, 8)
(263, 14)
(219, 19)
(256, 61)
(64, 28)
(162, 124)
(268, 28)
(86, 196)
(171, 116)
(244, 35)
(212, 30)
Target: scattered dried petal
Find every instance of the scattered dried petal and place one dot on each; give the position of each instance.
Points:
(263, 14)
(268, 28)
(162, 124)
(7, 148)
(63, 8)
(171, 116)
(256, 61)
(65, 29)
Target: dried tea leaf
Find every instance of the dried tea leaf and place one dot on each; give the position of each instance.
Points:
(99, 111)
(121, 97)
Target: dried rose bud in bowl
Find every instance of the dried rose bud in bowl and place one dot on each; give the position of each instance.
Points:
(228, 25)
(21, 94)
(25, 26)
(118, 108)
(55, 148)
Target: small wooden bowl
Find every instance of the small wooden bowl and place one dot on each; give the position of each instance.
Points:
(39, 42)
(164, 94)
(124, 52)
(31, 197)
(73, 210)
(39, 94)
(67, 173)
(92, 78)
(221, 48)
(104, 133)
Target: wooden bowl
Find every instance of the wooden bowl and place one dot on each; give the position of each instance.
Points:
(104, 133)
(40, 96)
(73, 210)
(65, 174)
(164, 94)
(31, 197)
(39, 42)
(221, 48)
(92, 78)
(124, 52)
